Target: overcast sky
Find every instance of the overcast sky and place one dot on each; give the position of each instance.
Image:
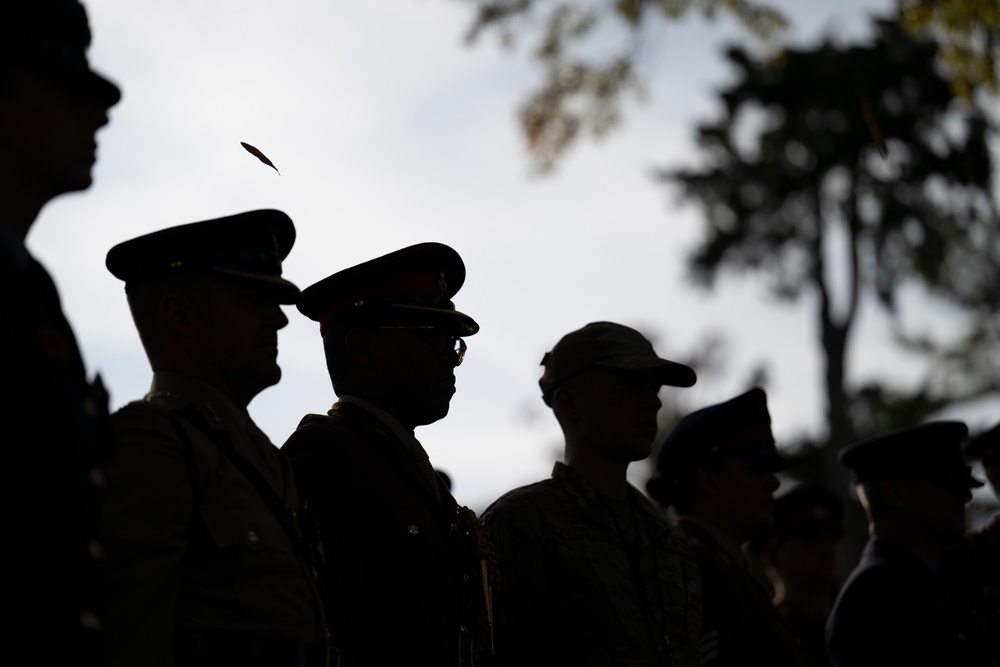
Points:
(389, 131)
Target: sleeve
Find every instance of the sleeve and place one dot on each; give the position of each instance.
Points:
(522, 633)
(870, 625)
(331, 484)
(148, 511)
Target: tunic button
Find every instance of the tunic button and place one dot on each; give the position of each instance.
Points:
(465, 577)
(295, 515)
(253, 537)
(96, 478)
(90, 407)
(413, 530)
(94, 550)
(89, 620)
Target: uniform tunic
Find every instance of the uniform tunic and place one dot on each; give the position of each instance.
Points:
(56, 442)
(193, 546)
(588, 580)
(401, 580)
(740, 625)
(895, 610)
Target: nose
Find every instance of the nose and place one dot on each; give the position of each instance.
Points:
(278, 318)
(772, 481)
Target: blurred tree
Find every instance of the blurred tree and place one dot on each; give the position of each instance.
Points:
(968, 32)
(792, 188)
(582, 94)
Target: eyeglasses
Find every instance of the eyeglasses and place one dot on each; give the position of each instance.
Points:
(443, 344)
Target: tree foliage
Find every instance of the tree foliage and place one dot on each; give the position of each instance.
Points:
(968, 32)
(790, 169)
(588, 52)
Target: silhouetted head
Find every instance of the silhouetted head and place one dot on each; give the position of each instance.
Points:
(602, 381)
(205, 297)
(914, 479)
(721, 460)
(391, 332)
(49, 38)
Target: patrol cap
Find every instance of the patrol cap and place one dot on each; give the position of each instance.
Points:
(738, 428)
(247, 247)
(413, 283)
(607, 345)
(804, 510)
(50, 38)
(984, 445)
(932, 450)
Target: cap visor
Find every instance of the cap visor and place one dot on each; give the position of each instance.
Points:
(286, 292)
(462, 323)
(671, 373)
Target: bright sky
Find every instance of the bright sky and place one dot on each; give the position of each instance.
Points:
(388, 131)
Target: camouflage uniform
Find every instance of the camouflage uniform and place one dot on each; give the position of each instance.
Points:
(741, 626)
(570, 592)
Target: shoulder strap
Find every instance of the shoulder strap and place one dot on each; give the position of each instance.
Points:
(222, 440)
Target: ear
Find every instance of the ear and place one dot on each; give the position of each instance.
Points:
(896, 490)
(708, 481)
(179, 315)
(360, 348)
(567, 403)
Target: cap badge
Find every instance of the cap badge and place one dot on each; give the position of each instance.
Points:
(442, 284)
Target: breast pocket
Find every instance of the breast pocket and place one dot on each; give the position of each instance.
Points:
(254, 553)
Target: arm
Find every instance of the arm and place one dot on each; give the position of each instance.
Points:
(523, 631)
(148, 510)
(331, 484)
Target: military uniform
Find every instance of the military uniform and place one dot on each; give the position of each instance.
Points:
(403, 579)
(895, 610)
(58, 442)
(739, 623)
(55, 420)
(590, 580)
(896, 607)
(194, 545)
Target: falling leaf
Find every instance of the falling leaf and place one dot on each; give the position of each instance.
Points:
(260, 156)
(874, 128)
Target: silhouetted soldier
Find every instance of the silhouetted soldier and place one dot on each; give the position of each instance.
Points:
(716, 468)
(592, 572)
(206, 562)
(973, 567)
(800, 553)
(51, 106)
(404, 581)
(894, 608)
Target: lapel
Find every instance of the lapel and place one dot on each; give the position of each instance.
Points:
(403, 461)
(224, 427)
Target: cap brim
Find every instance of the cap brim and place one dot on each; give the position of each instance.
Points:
(285, 291)
(671, 373)
(460, 323)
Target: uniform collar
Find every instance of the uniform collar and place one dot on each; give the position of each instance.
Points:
(218, 407)
(403, 434)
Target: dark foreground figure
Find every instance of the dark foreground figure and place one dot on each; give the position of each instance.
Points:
(207, 564)
(407, 574)
(895, 608)
(716, 469)
(592, 571)
(801, 556)
(55, 420)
